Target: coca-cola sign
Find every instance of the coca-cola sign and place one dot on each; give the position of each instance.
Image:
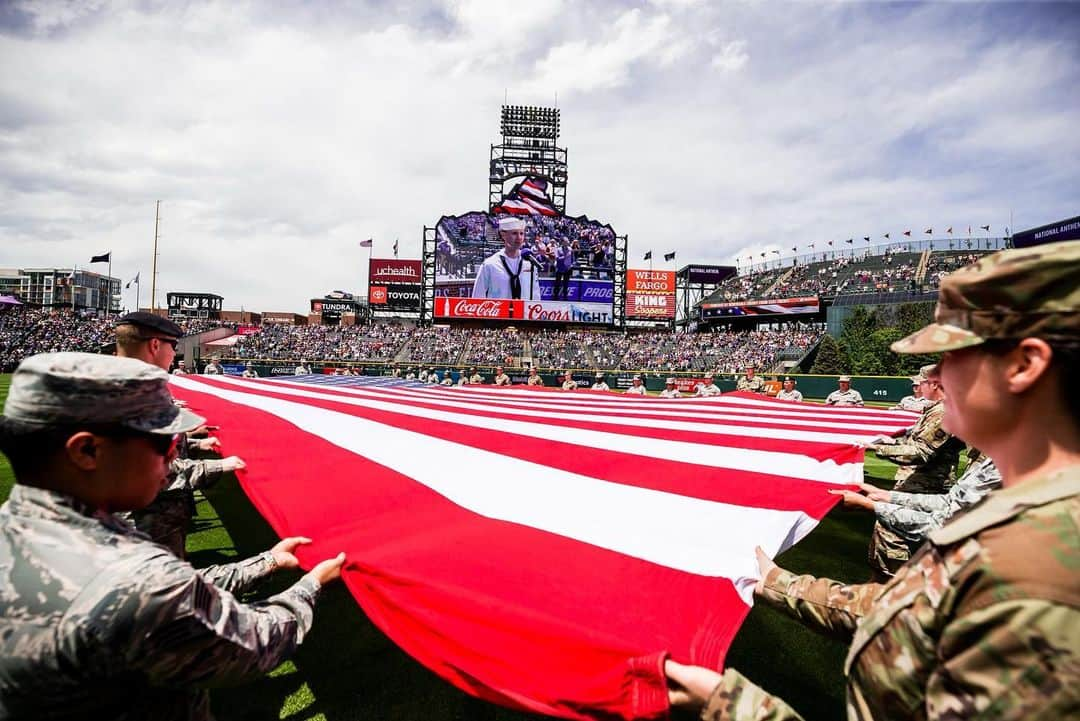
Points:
(482, 308)
(384, 271)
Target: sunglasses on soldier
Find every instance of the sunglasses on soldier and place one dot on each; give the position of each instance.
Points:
(164, 444)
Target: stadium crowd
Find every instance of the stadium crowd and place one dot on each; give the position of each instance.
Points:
(27, 331)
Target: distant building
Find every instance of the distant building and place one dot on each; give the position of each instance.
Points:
(55, 287)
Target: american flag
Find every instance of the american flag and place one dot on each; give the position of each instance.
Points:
(540, 549)
(529, 197)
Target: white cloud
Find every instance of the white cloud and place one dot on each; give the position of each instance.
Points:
(277, 137)
(732, 56)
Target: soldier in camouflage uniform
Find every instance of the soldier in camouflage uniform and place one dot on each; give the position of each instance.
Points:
(915, 402)
(845, 395)
(984, 621)
(95, 620)
(913, 516)
(151, 339)
(929, 455)
(751, 382)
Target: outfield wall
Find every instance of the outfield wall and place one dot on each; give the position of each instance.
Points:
(888, 389)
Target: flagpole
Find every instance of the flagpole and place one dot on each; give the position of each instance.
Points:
(74, 270)
(108, 283)
(153, 268)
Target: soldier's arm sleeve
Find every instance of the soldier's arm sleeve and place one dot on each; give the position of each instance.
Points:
(200, 473)
(736, 698)
(913, 525)
(927, 502)
(1013, 660)
(242, 575)
(825, 605)
(923, 441)
(183, 631)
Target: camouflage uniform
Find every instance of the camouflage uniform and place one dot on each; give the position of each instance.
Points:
(96, 622)
(503, 380)
(850, 397)
(792, 395)
(707, 391)
(168, 516)
(929, 455)
(570, 385)
(911, 403)
(984, 622)
(914, 515)
(754, 385)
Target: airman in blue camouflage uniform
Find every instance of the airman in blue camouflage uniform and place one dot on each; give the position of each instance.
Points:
(96, 621)
(984, 621)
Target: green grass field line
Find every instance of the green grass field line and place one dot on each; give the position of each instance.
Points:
(348, 670)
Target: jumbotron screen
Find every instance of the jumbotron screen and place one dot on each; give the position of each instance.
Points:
(564, 270)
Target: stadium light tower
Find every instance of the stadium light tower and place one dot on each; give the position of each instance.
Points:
(530, 137)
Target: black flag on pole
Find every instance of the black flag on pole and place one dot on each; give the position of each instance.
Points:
(107, 257)
(669, 256)
(648, 256)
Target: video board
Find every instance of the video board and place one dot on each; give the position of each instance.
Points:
(565, 270)
(783, 306)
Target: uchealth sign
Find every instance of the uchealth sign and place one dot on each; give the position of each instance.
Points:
(536, 311)
(395, 296)
(391, 271)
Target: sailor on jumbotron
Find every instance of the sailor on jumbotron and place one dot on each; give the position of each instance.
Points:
(506, 274)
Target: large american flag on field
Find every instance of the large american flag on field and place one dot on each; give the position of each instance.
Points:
(529, 197)
(540, 549)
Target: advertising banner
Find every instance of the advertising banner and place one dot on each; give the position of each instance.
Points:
(783, 306)
(247, 329)
(650, 281)
(650, 305)
(708, 273)
(395, 297)
(578, 289)
(536, 311)
(650, 294)
(391, 271)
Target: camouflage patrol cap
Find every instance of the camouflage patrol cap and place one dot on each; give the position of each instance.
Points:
(85, 388)
(843, 379)
(153, 322)
(1012, 294)
(929, 371)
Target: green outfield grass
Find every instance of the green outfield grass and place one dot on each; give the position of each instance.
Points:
(348, 670)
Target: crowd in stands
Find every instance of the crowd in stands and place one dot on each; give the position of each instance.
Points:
(941, 264)
(719, 351)
(194, 326)
(560, 349)
(436, 344)
(894, 270)
(867, 273)
(27, 331)
(492, 346)
(323, 342)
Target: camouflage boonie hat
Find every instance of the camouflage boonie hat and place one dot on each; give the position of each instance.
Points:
(1012, 294)
(85, 388)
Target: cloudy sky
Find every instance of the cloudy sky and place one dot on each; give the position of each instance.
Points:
(278, 135)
